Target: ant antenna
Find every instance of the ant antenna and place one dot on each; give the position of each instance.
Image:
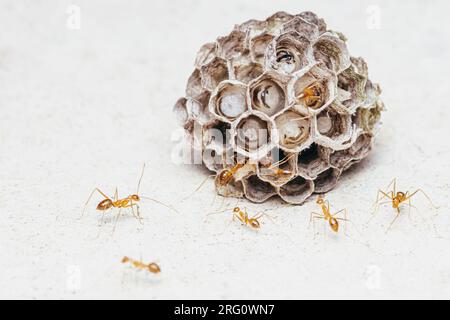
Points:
(140, 179)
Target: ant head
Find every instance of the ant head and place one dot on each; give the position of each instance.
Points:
(135, 197)
(125, 260)
(237, 210)
(154, 268)
(105, 205)
(334, 224)
(320, 201)
(255, 224)
(401, 195)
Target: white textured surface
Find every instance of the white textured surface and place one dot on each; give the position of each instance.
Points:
(86, 108)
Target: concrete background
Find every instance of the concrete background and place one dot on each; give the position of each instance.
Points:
(85, 108)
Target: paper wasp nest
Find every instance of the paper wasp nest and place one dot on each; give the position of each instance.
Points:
(280, 107)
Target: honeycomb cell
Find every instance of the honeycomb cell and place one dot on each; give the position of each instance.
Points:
(311, 17)
(297, 191)
(332, 51)
(198, 109)
(340, 159)
(257, 190)
(314, 91)
(217, 135)
(368, 119)
(214, 73)
(206, 55)
(229, 101)
(360, 66)
(361, 148)
(194, 87)
(327, 180)
(333, 128)
(258, 47)
(352, 86)
(276, 21)
(213, 159)
(232, 46)
(181, 112)
(290, 53)
(302, 27)
(253, 135)
(294, 131)
(252, 27)
(246, 73)
(268, 94)
(278, 168)
(312, 161)
(194, 133)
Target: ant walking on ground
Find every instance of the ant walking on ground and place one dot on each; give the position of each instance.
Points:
(332, 219)
(397, 199)
(139, 265)
(130, 202)
(242, 216)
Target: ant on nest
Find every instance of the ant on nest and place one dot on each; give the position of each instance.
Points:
(275, 168)
(223, 179)
(313, 95)
(397, 199)
(332, 219)
(130, 202)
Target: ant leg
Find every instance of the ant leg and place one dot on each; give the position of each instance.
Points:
(342, 219)
(102, 221)
(223, 211)
(377, 204)
(117, 220)
(393, 222)
(214, 200)
(216, 213)
(89, 199)
(328, 206)
(223, 202)
(281, 162)
(314, 217)
(264, 214)
(136, 214)
(410, 206)
(426, 196)
(198, 189)
(140, 179)
(377, 210)
(103, 217)
(385, 194)
(227, 226)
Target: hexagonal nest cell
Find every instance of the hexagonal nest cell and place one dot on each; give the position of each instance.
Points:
(284, 95)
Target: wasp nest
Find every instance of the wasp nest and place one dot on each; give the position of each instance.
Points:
(279, 107)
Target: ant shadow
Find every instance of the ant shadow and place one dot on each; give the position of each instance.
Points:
(132, 279)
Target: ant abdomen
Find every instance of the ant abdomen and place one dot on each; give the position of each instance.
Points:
(105, 205)
(334, 224)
